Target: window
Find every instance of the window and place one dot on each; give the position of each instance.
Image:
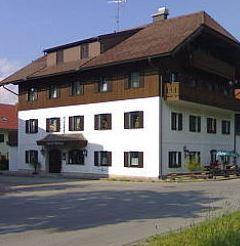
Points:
(195, 157)
(134, 80)
(32, 95)
(211, 125)
(104, 85)
(59, 57)
(76, 123)
(133, 159)
(103, 122)
(53, 125)
(237, 124)
(226, 127)
(213, 154)
(177, 122)
(77, 88)
(103, 158)
(174, 159)
(194, 123)
(31, 126)
(53, 92)
(133, 120)
(1, 138)
(76, 157)
(84, 51)
(173, 77)
(31, 156)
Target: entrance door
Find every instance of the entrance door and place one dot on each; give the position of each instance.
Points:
(55, 161)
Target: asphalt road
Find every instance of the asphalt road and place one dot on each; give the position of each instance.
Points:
(60, 212)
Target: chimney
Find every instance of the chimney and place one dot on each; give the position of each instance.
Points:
(162, 14)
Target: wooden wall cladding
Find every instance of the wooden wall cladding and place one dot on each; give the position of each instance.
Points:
(118, 92)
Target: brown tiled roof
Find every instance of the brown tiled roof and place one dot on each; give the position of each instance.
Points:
(27, 71)
(8, 117)
(154, 39)
(159, 38)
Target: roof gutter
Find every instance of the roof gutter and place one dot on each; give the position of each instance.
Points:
(9, 90)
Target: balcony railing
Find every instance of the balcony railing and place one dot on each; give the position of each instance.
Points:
(179, 91)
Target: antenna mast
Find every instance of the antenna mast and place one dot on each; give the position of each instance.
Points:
(119, 4)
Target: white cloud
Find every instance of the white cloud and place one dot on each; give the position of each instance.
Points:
(8, 67)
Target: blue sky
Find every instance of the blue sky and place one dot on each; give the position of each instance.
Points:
(29, 26)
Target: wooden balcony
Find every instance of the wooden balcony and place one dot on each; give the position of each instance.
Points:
(176, 91)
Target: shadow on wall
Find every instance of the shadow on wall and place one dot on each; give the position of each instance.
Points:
(63, 207)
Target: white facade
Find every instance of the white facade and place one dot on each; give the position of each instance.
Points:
(119, 140)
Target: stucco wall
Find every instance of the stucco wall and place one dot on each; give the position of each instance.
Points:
(116, 140)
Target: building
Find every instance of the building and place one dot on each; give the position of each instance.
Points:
(139, 102)
(8, 135)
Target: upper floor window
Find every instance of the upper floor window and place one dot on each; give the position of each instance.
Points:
(31, 156)
(103, 158)
(177, 121)
(1, 138)
(133, 120)
(173, 77)
(32, 95)
(226, 127)
(53, 92)
(59, 57)
(174, 159)
(134, 80)
(211, 125)
(103, 122)
(84, 51)
(133, 159)
(104, 85)
(53, 125)
(77, 88)
(76, 123)
(76, 157)
(31, 126)
(194, 123)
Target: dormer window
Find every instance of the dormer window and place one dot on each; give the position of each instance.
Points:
(59, 57)
(32, 95)
(53, 92)
(84, 51)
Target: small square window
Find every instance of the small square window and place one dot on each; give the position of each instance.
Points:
(53, 92)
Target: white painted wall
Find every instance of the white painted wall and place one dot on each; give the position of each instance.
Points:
(202, 142)
(119, 139)
(116, 140)
(13, 158)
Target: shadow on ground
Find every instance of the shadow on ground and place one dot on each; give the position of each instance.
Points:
(56, 208)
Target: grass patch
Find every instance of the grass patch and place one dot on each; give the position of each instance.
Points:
(223, 231)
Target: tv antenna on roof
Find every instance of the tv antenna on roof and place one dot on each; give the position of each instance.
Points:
(119, 3)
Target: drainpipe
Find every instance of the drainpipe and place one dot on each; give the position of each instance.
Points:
(160, 118)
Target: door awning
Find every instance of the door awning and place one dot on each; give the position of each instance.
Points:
(63, 140)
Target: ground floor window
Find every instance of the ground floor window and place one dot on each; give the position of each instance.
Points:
(103, 158)
(1, 138)
(76, 157)
(195, 157)
(133, 159)
(174, 159)
(31, 156)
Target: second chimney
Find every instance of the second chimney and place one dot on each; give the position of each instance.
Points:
(162, 14)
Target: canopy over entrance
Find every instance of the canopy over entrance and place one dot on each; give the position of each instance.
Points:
(63, 140)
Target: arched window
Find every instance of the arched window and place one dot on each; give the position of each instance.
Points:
(76, 157)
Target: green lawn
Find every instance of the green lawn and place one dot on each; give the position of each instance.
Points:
(224, 231)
